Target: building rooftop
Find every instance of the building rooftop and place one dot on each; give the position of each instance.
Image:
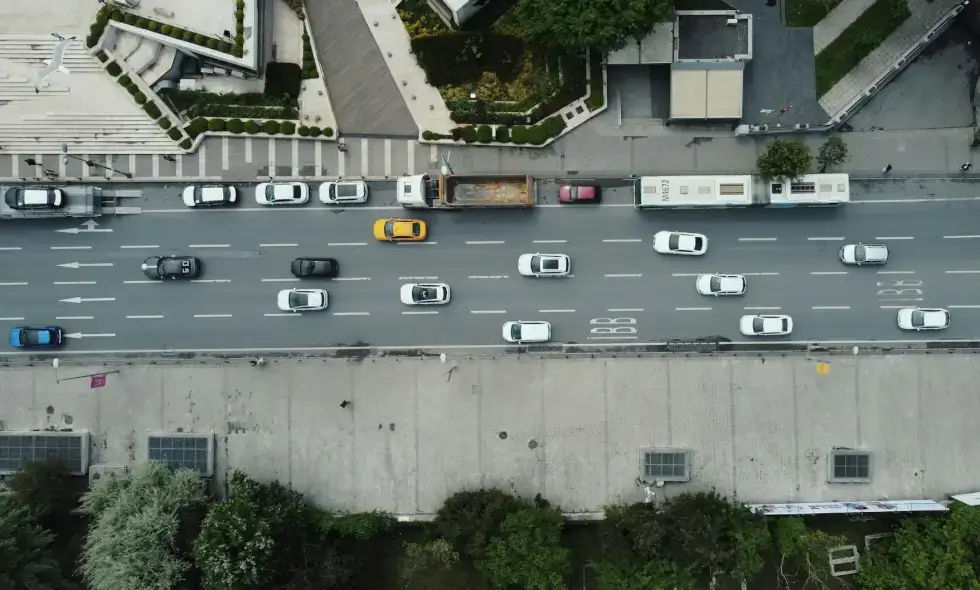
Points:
(710, 36)
(655, 48)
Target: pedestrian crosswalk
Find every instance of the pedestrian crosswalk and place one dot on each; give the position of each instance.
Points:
(236, 158)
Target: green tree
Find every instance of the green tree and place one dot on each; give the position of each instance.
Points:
(26, 560)
(832, 153)
(648, 575)
(528, 553)
(469, 519)
(602, 25)
(804, 554)
(362, 526)
(424, 561)
(927, 554)
(134, 542)
(633, 532)
(784, 158)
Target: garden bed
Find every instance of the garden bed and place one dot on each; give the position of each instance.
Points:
(252, 127)
(807, 13)
(233, 47)
(857, 41)
(279, 100)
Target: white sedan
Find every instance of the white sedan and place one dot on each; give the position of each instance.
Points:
(544, 265)
(678, 242)
(425, 294)
(860, 254)
(302, 299)
(343, 192)
(720, 285)
(917, 318)
(282, 193)
(523, 331)
(765, 325)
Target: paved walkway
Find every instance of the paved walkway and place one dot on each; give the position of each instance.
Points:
(834, 23)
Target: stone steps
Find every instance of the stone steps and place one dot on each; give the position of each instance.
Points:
(85, 133)
(34, 50)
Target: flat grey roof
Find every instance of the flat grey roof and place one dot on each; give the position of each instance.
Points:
(655, 48)
(572, 430)
(709, 36)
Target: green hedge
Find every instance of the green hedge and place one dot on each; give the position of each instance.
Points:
(124, 80)
(186, 144)
(304, 131)
(201, 124)
(140, 98)
(236, 125)
(597, 97)
(518, 134)
(174, 134)
(309, 63)
(152, 110)
(106, 14)
(484, 134)
(165, 123)
(113, 69)
(251, 127)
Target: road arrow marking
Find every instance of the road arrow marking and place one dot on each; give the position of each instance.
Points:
(80, 335)
(84, 264)
(86, 299)
(90, 227)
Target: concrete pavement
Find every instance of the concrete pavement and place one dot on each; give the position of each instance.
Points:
(621, 292)
(573, 430)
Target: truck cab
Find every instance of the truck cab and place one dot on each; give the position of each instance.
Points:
(420, 191)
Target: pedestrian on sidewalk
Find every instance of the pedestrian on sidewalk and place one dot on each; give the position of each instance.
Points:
(342, 146)
(966, 166)
(169, 158)
(344, 404)
(887, 168)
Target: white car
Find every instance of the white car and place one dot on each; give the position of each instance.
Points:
(720, 284)
(213, 195)
(678, 242)
(859, 254)
(425, 293)
(522, 331)
(343, 192)
(544, 265)
(765, 325)
(917, 319)
(302, 299)
(282, 193)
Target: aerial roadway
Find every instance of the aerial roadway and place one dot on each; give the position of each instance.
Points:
(85, 275)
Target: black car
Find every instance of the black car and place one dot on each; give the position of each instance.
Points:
(34, 198)
(314, 267)
(159, 268)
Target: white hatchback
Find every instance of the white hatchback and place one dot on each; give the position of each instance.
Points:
(918, 319)
(860, 254)
(720, 285)
(678, 242)
(213, 195)
(302, 299)
(522, 331)
(765, 325)
(282, 193)
(544, 265)
(425, 294)
(344, 192)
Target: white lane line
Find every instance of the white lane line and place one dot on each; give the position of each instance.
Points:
(289, 280)
(352, 279)
(71, 247)
(964, 306)
(483, 311)
(485, 242)
(892, 306)
(140, 282)
(825, 239)
(74, 317)
(74, 282)
(209, 246)
(11, 319)
(962, 272)
(283, 315)
(757, 239)
(12, 284)
(210, 280)
(10, 248)
(347, 243)
(960, 237)
(829, 272)
(686, 274)
(763, 308)
(622, 241)
(549, 241)
(420, 313)
(488, 277)
(212, 315)
(556, 311)
(896, 272)
(278, 245)
(894, 238)
(140, 247)
(911, 299)
(623, 276)
(207, 210)
(352, 313)
(144, 317)
(831, 307)
(417, 243)
(618, 309)
(692, 309)
(759, 274)
(418, 278)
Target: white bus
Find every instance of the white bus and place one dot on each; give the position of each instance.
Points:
(695, 192)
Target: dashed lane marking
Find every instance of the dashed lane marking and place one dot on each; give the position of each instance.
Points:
(488, 277)
(141, 282)
(896, 272)
(139, 247)
(960, 237)
(623, 241)
(757, 239)
(289, 280)
(486, 311)
(74, 317)
(624, 309)
(144, 317)
(278, 245)
(352, 279)
(962, 272)
(209, 246)
(74, 282)
(210, 280)
(418, 278)
(762, 308)
(11, 319)
(894, 238)
(71, 247)
(357, 313)
(420, 313)
(485, 242)
(556, 311)
(692, 309)
(829, 272)
(549, 241)
(12, 284)
(346, 244)
(212, 315)
(623, 276)
(825, 239)
(282, 315)
(831, 307)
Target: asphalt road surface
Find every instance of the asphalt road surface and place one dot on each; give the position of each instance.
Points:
(620, 291)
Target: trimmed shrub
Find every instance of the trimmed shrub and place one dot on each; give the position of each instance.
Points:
(240, 4)
(428, 135)
(91, 40)
(306, 37)
(224, 46)
(251, 127)
(165, 123)
(287, 128)
(239, 28)
(502, 134)
(553, 126)
(187, 36)
(113, 69)
(327, 132)
(197, 127)
(174, 134)
(239, 16)
(315, 132)
(270, 127)
(132, 88)
(102, 56)
(124, 80)
(153, 25)
(236, 126)
(116, 15)
(239, 40)
(237, 51)
(518, 134)
(211, 43)
(142, 23)
(165, 29)
(484, 134)
(536, 135)
(130, 19)
(199, 39)
(304, 131)
(152, 110)
(468, 134)
(176, 33)
(186, 144)
(140, 98)
(217, 125)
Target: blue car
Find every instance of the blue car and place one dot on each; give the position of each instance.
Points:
(36, 337)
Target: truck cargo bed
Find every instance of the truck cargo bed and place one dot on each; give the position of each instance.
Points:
(476, 191)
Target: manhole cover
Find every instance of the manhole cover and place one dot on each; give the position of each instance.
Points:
(502, 434)
(532, 444)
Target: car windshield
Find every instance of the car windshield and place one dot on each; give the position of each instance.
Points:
(535, 264)
(715, 284)
(298, 299)
(758, 325)
(422, 293)
(389, 228)
(11, 197)
(784, 324)
(698, 243)
(918, 318)
(416, 229)
(674, 243)
(515, 331)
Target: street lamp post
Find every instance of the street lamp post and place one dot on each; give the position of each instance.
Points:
(90, 163)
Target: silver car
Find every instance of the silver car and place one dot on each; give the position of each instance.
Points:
(718, 285)
(860, 254)
(917, 319)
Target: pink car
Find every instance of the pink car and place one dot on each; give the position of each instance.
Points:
(578, 194)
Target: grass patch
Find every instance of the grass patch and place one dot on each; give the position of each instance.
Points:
(858, 40)
(807, 13)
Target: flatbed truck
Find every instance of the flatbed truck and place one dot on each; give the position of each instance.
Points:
(78, 201)
(451, 191)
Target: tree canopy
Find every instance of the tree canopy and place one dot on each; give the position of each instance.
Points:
(26, 560)
(832, 153)
(528, 553)
(603, 25)
(134, 540)
(784, 158)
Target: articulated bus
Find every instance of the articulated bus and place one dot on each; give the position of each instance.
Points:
(694, 192)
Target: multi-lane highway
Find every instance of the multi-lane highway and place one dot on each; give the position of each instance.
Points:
(621, 291)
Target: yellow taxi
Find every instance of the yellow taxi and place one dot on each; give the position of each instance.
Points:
(400, 230)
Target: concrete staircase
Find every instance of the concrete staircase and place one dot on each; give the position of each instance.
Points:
(14, 87)
(85, 133)
(32, 50)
